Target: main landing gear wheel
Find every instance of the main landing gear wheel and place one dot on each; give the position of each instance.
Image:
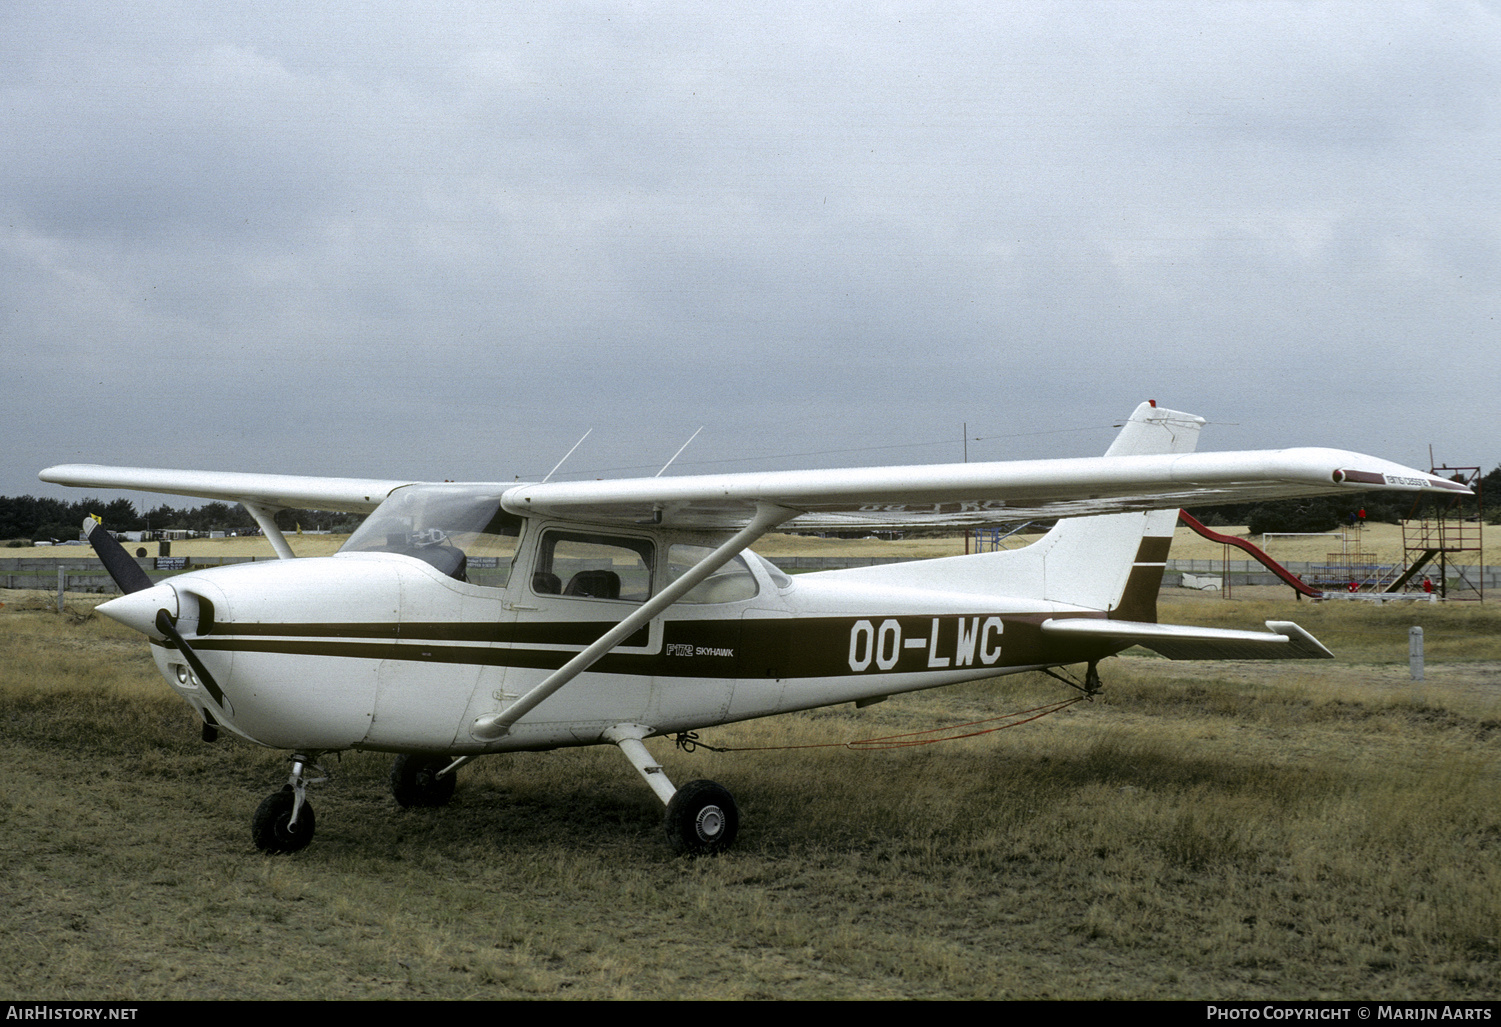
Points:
(702, 819)
(270, 825)
(415, 781)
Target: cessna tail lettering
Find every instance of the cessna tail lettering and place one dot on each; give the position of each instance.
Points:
(466, 619)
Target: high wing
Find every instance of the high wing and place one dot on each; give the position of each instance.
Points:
(277, 491)
(1151, 466)
(968, 494)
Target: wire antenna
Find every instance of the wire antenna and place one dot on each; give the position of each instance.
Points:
(566, 455)
(679, 452)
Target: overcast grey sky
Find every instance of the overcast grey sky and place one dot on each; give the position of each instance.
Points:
(440, 240)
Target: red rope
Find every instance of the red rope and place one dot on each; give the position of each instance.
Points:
(911, 738)
(944, 735)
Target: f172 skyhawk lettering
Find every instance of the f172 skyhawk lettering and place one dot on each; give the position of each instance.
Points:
(467, 619)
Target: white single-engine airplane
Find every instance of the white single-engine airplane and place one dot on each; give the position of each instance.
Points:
(465, 619)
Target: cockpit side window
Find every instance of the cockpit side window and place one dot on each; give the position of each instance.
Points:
(491, 551)
(586, 565)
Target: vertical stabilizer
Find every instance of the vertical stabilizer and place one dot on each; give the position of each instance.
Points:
(1115, 562)
(1153, 431)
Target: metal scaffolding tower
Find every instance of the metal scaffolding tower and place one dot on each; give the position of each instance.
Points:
(1443, 541)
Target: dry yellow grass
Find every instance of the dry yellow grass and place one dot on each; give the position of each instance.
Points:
(1385, 540)
(302, 545)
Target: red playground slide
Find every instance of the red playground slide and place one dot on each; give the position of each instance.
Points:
(1240, 543)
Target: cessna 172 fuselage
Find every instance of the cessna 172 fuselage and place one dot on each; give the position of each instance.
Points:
(466, 619)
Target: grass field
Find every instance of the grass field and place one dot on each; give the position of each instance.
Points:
(1324, 830)
(1383, 540)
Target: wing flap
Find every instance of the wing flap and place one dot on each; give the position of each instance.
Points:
(280, 491)
(1284, 640)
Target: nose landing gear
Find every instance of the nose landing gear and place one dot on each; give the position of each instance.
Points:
(284, 822)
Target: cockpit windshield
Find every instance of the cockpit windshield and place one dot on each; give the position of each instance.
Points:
(459, 529)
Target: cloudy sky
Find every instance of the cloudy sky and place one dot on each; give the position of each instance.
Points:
(441, 240)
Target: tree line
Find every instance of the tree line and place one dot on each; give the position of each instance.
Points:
(1325, 513)
(43, 519)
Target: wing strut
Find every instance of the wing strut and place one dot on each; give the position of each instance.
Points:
(768, 516)
(264, 516)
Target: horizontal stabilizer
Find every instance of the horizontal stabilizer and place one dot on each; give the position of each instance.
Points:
(1285, 640)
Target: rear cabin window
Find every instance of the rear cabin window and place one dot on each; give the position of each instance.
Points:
(590, 566)
(731, 583)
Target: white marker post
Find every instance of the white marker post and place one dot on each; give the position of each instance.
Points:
(1415, 652)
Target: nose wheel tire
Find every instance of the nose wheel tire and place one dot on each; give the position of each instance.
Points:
(270, 825)
(415, 781)
(702, 819)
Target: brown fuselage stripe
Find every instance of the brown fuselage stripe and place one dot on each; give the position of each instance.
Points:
(773, 648)
(579, 633)
(1153, 550)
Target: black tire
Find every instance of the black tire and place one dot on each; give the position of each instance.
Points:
(415, 781)
(269, 825)
(702, 819)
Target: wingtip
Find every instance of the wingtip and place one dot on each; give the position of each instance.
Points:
(1408, 480)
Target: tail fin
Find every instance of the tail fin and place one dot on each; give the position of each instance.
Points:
(1115, 562)
(1110, 562)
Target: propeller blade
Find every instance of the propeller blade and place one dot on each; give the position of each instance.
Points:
(126, 573)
